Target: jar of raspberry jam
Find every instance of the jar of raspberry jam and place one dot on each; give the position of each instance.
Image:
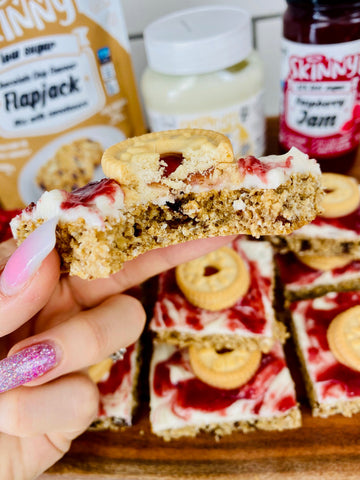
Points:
(320, 97)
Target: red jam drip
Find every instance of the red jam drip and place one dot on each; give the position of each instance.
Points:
(86, 195)
(209, 270)
(248, 312)
(5, 218)
(253, 166)
(293, 271)
(172, 161)
(118, 371)
(195, 394)
(317, 322)
(348, 222)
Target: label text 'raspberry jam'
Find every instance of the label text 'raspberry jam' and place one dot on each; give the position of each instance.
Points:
(320, 75)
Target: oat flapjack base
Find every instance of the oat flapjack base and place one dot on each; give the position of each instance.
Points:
(177, 186)
(291, 420)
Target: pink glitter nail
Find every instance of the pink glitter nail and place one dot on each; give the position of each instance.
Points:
(26, 365)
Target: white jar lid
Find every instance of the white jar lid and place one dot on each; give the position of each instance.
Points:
(198, 40)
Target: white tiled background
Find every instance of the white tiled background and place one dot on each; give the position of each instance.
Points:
(266, 16)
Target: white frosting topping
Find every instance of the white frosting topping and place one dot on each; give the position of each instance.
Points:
(279, 168)
(93, 211)
(267, 172)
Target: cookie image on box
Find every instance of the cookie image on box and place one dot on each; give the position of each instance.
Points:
(72, 166)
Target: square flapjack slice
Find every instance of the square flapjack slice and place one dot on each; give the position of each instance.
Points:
(336, 230)
(170, 187)
(309, 276)
(326, 330)
(117, 382)
(223, 299)
(183, 403)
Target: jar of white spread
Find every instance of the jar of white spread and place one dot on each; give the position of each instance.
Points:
(203, 73)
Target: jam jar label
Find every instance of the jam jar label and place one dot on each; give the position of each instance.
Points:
(320, 107)
(243, 123)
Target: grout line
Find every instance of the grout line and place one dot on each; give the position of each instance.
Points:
(253, 30)
(267, 17)
(136, 36)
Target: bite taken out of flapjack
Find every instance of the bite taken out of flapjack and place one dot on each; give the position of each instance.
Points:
(169, 187)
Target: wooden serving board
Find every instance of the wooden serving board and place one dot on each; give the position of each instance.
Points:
(326, 448)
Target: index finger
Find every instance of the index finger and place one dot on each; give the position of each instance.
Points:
(134, 272)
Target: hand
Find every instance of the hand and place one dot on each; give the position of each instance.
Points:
(54, 327)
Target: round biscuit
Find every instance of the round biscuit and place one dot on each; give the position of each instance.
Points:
(225, 370)
(227, 281)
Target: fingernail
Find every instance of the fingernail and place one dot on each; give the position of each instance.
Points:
(27, 258)
(26, 365)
